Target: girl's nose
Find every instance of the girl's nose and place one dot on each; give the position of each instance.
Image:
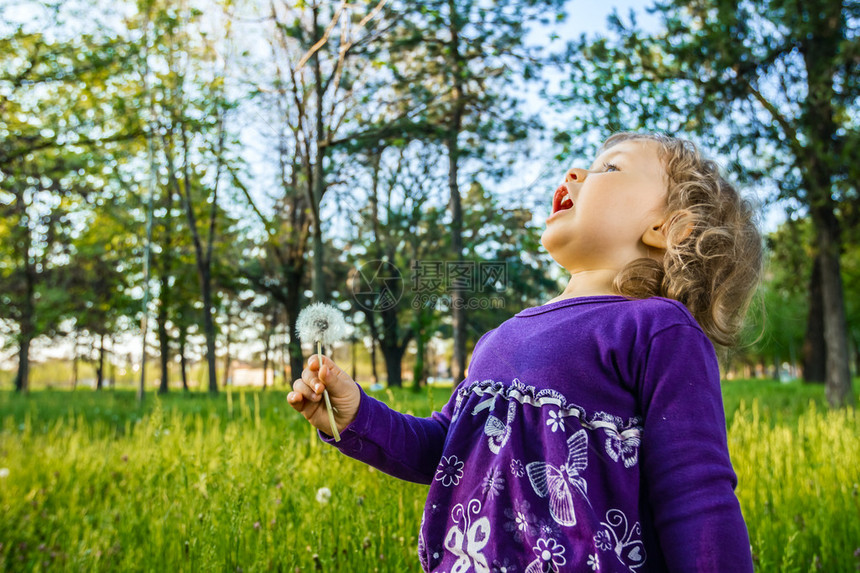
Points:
(576, 174)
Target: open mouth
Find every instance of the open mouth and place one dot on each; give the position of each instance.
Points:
(561, 200)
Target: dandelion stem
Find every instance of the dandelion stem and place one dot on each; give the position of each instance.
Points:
(328, 405)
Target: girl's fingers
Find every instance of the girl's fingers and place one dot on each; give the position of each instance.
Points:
(302, 388)
(296, 400)
(318, 370)
(307, 396)
(311, 381)
(329, 375)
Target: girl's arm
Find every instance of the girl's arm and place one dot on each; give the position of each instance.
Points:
(686, 468)
(398, 444)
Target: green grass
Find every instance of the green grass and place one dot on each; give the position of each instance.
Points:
(192, 483)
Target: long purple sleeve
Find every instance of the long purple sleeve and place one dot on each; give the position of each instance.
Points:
(588, 436)
(686, 469)
(398, 444)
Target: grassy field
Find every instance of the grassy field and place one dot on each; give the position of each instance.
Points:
(91, 482)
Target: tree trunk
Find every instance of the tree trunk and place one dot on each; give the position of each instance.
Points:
(318, 175)
(27, 321)
(838, 375)
(183, 365)
(353, 347)
(452, 143)
(164, 343)
(100, 369)
(204, 259)
(227, 356)
(164, 302)
(209, 330)
(820, 50)
(294, 347)
(393, 365)
(856, 357)
(75, 362)
(392, 347)
(814, 352)
(22, 378)
(418, 369)
(374, 373)
(266, 351)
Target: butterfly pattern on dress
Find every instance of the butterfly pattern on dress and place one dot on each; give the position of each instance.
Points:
(467, 539)
(555, 482)
(621, 443)
(498, 433)
(617, 537)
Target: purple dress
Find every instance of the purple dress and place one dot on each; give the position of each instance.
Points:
(588, 436)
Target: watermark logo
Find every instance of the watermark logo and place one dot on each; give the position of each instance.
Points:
(377, 285)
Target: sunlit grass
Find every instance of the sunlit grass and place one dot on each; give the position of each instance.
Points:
(798, 487)
(191, 483)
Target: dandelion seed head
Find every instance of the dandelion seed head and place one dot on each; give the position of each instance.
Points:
(320, 322)
(323, 495)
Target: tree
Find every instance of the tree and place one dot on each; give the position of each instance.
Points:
(318, 44)
(307, 97)
(96, 281)
(401, 227)
(784, 298)
(455, 65)
(772, 85)
(398, 230)
(60, 100)
(189, 121)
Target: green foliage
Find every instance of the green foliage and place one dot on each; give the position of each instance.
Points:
(777, 324)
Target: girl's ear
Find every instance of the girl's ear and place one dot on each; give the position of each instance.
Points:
(657, 233)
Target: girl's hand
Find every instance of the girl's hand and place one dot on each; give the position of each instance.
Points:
(307, 397)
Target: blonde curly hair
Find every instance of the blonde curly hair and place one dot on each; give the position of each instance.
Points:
(713, 259)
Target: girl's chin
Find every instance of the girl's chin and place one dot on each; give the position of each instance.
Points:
(551, 241)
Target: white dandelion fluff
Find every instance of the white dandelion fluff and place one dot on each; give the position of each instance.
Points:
(319, 322)
(4, 472)
(322, 324)
(323, 495)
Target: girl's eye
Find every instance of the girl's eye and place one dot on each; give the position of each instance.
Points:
(610, 166)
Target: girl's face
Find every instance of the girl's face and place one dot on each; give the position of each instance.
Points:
(615, 203)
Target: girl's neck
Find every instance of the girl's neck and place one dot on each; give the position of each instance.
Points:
(589, 283)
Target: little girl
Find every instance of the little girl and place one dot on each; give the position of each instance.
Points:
(589, 434)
